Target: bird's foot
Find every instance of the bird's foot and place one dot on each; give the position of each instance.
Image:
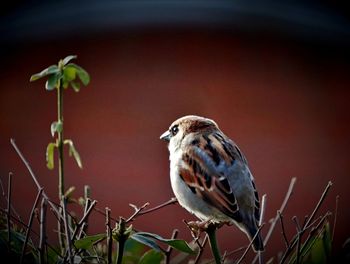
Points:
(198, 226)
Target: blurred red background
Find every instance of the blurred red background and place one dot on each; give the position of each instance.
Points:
(283, 100)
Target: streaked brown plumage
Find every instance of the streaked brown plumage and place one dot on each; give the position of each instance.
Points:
(210, 175)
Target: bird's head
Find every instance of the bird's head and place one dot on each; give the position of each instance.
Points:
(186, 125)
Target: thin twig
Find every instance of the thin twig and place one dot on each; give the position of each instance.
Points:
(335, 215)
(85, 224)
(313, 230)
(250, 244)
(30, 222)
(274, 221)
(171, 201)
(83, 220)
(42, 241)
(299, 235)
(26, 163)
(170, 249)
(323, 196)
(109, 236)
(9, 188)
(285, 201)
(201, 249)
(235, 251)
(138, 211)
(67, 230)
(262, 209)
(283, 230)
(19, 221)
(2, 188)
(261, 218)
(308, 223)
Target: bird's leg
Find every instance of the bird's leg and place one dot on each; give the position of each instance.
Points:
(198, 226)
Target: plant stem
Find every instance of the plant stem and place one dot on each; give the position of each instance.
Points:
(121, 244)
(60, 143)
(211, 231)
(122, 239)
(60, 162)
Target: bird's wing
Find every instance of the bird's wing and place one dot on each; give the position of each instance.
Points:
(202, 157)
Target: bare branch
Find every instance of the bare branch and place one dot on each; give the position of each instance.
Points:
(299, 235)
(67, 230)
(250, 244)
(335, 215)
(274, 221)
(201, 249)
(138, 211)
(170, 249)
(26, 163)
(109, 236)
(283, 230)
(30, 222)
(307, 225)
(262, 209)
(83, 219)
(171, 201)
(323, 196)
(42, 241)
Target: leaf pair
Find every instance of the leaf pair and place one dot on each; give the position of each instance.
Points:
(72, 152)
(65, 73)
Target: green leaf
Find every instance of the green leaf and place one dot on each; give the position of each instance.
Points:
(51, 82)
(56, 126)
(74, 152)
(50, 70)
(133, 251)
(75, 86)
(88, 241)
(52, 256)
(68, 59)
(69, 73)
(318, 248)
(82, 74)
(178, 244)
(151, 257)
(49, 155)
(146, 241)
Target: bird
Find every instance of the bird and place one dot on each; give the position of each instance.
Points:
(210, 176)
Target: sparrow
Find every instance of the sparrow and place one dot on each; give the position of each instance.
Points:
(210, 176)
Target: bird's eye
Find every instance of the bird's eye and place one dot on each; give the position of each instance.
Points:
(174, 130)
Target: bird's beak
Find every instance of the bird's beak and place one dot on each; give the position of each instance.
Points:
(165, 136)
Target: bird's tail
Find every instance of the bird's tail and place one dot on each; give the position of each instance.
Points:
(258, 243)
